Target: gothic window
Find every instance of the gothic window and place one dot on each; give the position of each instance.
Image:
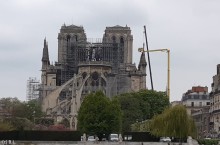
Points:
(68, 37)
(95, 76)
(97, 83)
(68, 43)
(122, 40)
(76, 38)
(121, 49)
(93, 83)
(84, 75)
(113, 39)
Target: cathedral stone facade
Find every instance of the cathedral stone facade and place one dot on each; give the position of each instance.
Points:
(85, 66)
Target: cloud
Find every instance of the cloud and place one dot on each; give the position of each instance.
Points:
(189, 28)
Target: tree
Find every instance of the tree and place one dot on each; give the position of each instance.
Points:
(99, 115)
(157, 101)
(33, 110)
(21, 115)
(8, 105)
(16, 108)
(115, 114)
(131, 110)
(20, 123)
(173, 122)
(6, 126)
(141, 106)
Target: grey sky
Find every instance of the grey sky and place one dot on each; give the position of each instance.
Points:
(190, 28)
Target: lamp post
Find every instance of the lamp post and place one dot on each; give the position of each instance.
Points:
(168, 65)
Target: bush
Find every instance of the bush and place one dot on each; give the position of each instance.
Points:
(208, 141)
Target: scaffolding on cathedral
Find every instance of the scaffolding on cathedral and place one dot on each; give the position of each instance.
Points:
(32, 90)
(85, 66)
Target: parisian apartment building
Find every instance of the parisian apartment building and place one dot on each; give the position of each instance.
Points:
(215, 104)
(196, 98)
(197, 102)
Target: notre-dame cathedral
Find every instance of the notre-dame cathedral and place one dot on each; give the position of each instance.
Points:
(85, 66)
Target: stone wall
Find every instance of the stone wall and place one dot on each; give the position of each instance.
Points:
(189, 142)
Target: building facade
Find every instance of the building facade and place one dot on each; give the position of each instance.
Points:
(175, 103)
(197, 103)
(196, 98)
(215, 103)
(201, 118)
(85, 66)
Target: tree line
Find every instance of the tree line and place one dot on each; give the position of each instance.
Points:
(18, 115)
(100, 115)
(145, 110)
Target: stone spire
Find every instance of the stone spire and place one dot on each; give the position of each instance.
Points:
(45, 57)
(143, 62)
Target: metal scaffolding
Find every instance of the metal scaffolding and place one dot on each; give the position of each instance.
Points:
(32, 90)
(85, 52)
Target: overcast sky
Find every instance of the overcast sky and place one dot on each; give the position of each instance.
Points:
(190, 28)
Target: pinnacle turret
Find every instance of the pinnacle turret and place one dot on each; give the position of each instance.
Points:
(143, 61)
(45, 57)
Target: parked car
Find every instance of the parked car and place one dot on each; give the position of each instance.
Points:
(91, 138)
(165, 139)
(113, 137)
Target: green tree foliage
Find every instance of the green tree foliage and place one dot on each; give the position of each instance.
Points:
(6, 126)
(173, 122)
(115, 115)
(33, 110)
(20, 114)
(140, 106)
(99, 115)
(20, 123)
(208, 141)
(130, 106)
(8, 105)
(16, 108)
(157, 101)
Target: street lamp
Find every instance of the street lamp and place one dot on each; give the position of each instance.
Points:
(168, 65)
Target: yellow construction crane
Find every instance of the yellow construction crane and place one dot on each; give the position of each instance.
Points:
(168, 65)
